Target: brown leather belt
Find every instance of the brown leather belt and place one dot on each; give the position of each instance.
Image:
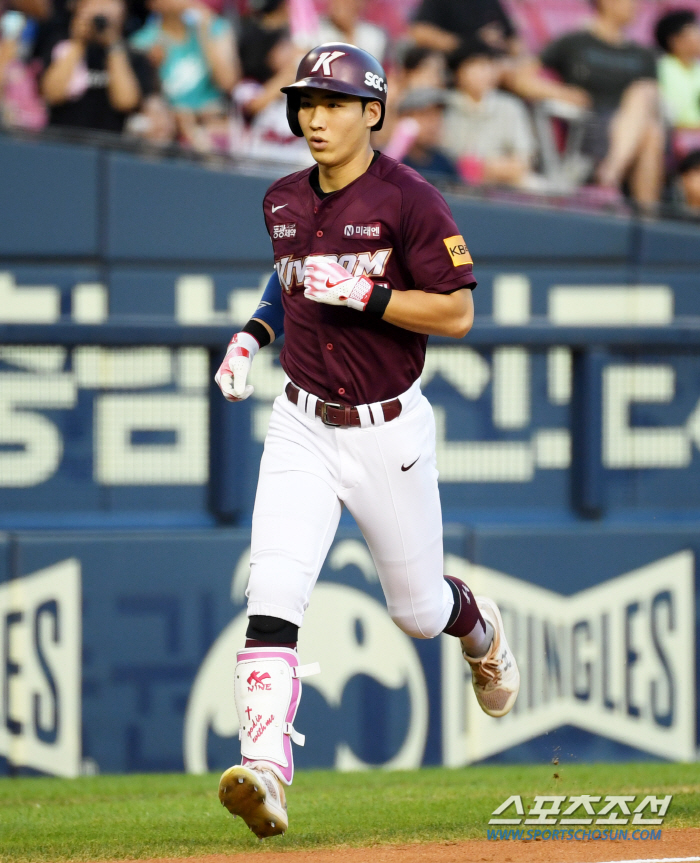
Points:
(343, 416)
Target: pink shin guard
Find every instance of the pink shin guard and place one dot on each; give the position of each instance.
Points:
(267, 688)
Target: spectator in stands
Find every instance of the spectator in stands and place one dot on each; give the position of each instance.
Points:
(678, 36)
(10, 31)
(92, 80)
(155, 123)
(688, 183)
(487, 132)
(194, 52)
(37, 10)
(426, 108)
(343, 23)
(616, 79)
(261, 130)
(20, 104)
(416, 68)
(258, 34)
(444, 25)
(420, 68)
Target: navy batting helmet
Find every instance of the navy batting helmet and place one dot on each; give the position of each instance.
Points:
(338, 68)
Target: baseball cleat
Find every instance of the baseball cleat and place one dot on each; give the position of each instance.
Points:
(495, 676)
(258, 797)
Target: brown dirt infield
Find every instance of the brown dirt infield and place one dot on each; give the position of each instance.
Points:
(673, 843)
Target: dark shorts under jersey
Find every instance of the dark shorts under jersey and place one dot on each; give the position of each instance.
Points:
(389, 224)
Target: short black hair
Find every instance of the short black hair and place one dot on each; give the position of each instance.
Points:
(670, 25)
(469, 49)
(690, 162)
(415, 55)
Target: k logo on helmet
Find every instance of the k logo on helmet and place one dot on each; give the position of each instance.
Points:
(325, 60)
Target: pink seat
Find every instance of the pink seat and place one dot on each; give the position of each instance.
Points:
(542, 21)
(684, 141)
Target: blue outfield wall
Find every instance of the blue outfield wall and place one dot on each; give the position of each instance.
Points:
(570, 482)
(602, 621)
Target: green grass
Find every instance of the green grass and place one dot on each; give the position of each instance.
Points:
(103, 817)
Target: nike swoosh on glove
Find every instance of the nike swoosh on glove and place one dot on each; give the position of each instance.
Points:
(326, 281)
(233, 371)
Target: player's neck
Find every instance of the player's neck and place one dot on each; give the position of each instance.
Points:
(331, 178)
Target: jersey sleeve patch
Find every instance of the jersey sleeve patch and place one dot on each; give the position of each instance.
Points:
(458, 250)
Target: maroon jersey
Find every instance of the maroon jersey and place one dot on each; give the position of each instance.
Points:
(389, 224)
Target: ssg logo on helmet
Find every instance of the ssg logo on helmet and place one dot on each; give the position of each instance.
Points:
(372, 80)
(324, 62)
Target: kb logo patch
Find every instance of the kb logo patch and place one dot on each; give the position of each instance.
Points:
(458, 250)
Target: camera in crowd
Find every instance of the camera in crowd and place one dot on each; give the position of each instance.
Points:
(100, 23)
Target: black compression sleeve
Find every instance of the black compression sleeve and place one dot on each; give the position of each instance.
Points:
(261, 627)
(258, 332)
(378, 301)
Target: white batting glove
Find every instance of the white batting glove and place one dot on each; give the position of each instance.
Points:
(233, 371)
(328, 282)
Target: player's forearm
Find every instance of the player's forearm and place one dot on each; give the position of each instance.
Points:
(268, 328)
(270, 312)
(449, 315)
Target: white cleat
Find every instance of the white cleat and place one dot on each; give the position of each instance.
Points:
(495, 675)
(258, 797)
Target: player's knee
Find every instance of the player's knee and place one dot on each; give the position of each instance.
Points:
(425, 625)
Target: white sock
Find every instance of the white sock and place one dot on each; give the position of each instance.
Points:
(477, 642)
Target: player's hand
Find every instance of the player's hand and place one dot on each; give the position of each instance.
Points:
(233, 371)
(328, 282)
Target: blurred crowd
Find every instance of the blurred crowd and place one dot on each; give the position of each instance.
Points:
(553, 97)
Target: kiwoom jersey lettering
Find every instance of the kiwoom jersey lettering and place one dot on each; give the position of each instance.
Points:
(291, 270)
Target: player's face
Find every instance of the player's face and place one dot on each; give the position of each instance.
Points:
(335, 126)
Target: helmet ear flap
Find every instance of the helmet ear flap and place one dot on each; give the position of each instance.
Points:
(293, 104)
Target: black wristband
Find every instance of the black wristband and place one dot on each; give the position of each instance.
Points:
(258, 331)
(378, 301)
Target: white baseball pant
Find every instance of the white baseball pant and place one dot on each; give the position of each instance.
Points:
(386, 475)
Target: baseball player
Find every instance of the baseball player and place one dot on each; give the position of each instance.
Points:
(369, 263)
